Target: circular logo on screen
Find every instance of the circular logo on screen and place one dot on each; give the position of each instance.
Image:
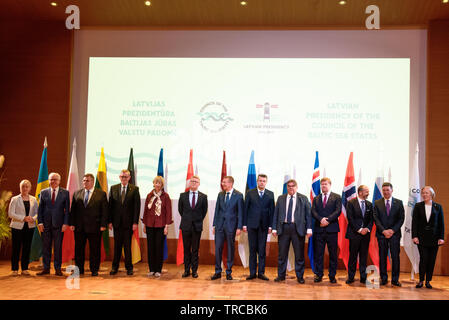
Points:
(214, 117)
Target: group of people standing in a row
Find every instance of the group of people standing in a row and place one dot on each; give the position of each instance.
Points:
(292, 218)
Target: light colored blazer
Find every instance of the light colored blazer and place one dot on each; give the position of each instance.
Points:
(17, 212)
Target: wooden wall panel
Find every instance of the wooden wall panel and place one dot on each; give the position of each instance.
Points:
(35, 64)
(437, 140)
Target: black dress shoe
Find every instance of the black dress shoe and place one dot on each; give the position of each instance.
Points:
(428, 285)
(58, 272)
(279, 279)
(349, 281)
(396, 283)
(318, 279)
(419, 285)
(229, 277)
(81, 272)
(129, 272)
(94, 273)
(185, 274)
(113, 272)
(383, 282)
(216, 276)
(332, 280)
(301, 280)
(194, 275)
(43, 272)
(251, 277)
(363, 280)
(263, 277)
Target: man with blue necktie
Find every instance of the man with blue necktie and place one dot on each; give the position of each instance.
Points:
(88, 219)
(389, 216)
(359, 212)
(228, 221)
(257, 221)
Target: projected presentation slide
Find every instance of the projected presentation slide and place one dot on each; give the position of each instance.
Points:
(282, 109)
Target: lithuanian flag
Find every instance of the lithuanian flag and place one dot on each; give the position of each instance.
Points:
(102, 183)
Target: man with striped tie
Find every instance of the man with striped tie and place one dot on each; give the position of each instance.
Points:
(359, 212)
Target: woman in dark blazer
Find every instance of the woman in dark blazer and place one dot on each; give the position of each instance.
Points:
(23, 213)
(427, 233)
(157, 215)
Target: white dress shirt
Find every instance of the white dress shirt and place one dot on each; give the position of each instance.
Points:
(191, 197)
(309, 231)
(91, 191)
(428, 211)
(56, 192)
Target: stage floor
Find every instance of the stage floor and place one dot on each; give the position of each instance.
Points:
(171, 286)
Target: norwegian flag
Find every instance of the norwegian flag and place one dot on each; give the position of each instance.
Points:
(349, 192)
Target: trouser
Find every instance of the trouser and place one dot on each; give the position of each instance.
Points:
(191, 243)
(257, 238)
(290, 235)
(51, 236)
(122, 239)
(358, 247)
(427, 257)
(393, 244)
(21, 239)
(94, 250)
(220, 236)
(155, 244)
(321, 239)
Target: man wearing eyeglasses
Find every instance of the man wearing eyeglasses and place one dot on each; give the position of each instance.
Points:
(124, 211)
(192, 208)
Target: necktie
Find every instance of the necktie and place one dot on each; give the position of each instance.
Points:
(123, 194)
(53, 196)
(193, 200)
(388, 208)
(363, 208)
(86, 198)
(325, 201)
(227, 198)
(261, 194)
(289, 210)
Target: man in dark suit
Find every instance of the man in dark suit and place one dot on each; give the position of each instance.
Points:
(292, 222)
(228, 221)
(124, 211)
(389, 217)
(257, 221)
(53, 219)
(359, 212)
(192, 207)
(326, 208)
(88, 219)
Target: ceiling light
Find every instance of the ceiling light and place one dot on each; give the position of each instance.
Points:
(54, 4)
(243, 3)
(445, 1)
(147, 3)
(342, 2)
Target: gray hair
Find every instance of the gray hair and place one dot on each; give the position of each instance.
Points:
(432, 192)
(54, 174)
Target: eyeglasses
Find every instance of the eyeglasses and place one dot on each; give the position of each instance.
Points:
(124, 176)
(194, 181)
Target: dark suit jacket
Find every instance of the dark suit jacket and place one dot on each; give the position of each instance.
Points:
(230, 214)
(356, 220)
(302, 215)
(331, 212)
(124, 215)
(192, 219)
(91, 218)
(258, 212)
(54, 215)
(393, 222)
(430, 232)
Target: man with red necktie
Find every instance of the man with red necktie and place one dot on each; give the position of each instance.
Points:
(389, 217)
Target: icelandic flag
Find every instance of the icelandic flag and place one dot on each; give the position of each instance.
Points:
(314, 191)
(349, 193)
